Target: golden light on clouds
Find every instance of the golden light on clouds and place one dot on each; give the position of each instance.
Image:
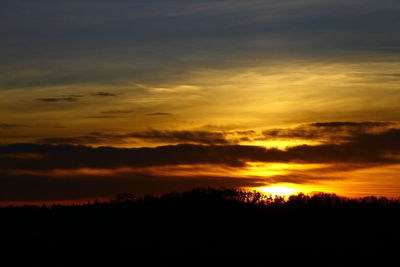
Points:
(280, 143)
(289, 107)
(282, 95)
(263, 169)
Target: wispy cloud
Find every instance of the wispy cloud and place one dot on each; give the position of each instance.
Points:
(330, 131)
(163, 136)
(105, 94)
(100, 117)
(58, 99)
(159, 114)
(76, 97)
(117, 111)
(199, 137)
(4, 125)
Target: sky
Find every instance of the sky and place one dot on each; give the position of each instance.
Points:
(99, 97)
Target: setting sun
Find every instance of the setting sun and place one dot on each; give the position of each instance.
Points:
(288, 189)
(277, 190)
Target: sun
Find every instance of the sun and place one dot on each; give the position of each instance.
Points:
(279, 190)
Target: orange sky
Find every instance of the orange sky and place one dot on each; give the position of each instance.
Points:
(260, 93)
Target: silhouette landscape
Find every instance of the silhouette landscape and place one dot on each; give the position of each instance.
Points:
(206, 227)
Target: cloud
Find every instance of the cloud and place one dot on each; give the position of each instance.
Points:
(345, 124)
(73, 140)
(28, 156)
(329, 131)
(73, 97)
(33, 172)
(58, 99)
(159, 114)
(198, 137)
(116, 111)
(92, 138)
(380, 148)
(68, 156)
(361, 148)
(109, 36)
(161, 136)
(301, 178)
(100, 117)
(4, 125)
(104, 94)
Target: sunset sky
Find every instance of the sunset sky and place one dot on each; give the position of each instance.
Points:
(99, 97)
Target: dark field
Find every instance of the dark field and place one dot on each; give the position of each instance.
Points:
(205, 227)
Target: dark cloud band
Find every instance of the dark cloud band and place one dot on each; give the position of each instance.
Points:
(364, 148)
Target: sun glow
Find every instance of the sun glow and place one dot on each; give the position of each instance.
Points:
(286, 190)
(278, 191)
(281, 144)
